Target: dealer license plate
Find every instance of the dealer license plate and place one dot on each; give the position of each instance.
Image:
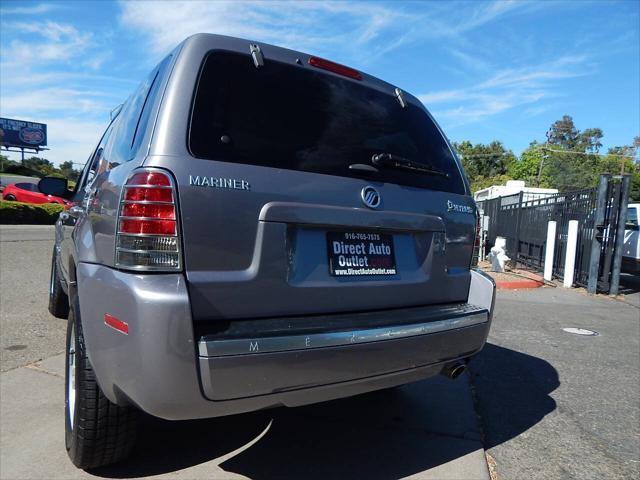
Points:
(360, 253)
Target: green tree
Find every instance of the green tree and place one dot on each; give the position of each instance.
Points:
(41, 165)
(66, 169)
(570, 160)
(485, 164)
(563, 133)
(634, 191)
(589, 140)
(530, 167)
(567, 171)
(625, 160)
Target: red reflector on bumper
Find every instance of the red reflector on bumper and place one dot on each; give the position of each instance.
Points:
(113, 322)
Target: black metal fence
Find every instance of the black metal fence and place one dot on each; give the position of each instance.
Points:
(522, 219)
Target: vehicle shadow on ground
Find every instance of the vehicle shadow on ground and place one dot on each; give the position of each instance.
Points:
(380, 435)
(512, 392)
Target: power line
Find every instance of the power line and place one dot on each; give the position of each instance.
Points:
(486, 154)
(473, 155)
(584, 153)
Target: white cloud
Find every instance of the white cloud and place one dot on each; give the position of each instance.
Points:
(488, 13)
(73, 138)
(30, 10)
(504, 90)
(37, 101)
(50, 74)
(356, 30)
(296, 25)
(56, 42)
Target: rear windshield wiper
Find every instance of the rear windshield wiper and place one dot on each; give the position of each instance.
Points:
(394, 161)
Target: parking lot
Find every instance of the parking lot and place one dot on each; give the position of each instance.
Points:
(544, 403)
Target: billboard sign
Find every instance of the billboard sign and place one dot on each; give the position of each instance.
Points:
(22, 134)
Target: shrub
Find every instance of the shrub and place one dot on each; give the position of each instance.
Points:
(15, 213)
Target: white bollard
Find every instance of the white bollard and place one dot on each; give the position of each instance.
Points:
(549, 250)
(570, 258)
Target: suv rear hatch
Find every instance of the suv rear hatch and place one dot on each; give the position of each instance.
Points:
(273, 197)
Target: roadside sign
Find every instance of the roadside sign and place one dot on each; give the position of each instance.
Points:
(22, 134)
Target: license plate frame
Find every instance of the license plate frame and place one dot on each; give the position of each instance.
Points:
(356, 253)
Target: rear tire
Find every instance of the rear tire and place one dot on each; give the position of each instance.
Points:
(10, 198)
(97, 432)
(58, 300)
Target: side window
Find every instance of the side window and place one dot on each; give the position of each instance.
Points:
(31, 187)
(632, 215)
(134, 117)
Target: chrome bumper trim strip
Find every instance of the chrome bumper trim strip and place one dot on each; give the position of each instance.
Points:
(251, 346)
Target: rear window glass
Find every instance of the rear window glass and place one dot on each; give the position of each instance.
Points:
(297, 117)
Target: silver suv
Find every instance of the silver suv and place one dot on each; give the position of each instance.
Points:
(259, 227)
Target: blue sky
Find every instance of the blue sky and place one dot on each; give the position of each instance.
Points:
(499, 70)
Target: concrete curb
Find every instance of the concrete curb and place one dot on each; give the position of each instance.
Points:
(518, 284)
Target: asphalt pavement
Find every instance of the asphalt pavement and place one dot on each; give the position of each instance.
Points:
(426, 430)
(555, 404)
(550, 404)
(29, 332)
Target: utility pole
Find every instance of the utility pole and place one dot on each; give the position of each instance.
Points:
(540, 168)
(544, 157)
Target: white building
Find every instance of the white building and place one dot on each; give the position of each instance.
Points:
(511, 188)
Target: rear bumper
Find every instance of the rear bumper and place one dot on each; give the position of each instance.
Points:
(234, 368)
(160, 367)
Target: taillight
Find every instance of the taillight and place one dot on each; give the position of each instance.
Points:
(476, 242)
(148, 232)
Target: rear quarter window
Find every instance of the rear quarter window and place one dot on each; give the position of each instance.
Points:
(135, 115)
(297, 117)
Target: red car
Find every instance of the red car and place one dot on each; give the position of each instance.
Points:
(29, 193)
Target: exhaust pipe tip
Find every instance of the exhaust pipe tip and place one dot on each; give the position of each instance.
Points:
(454, 370)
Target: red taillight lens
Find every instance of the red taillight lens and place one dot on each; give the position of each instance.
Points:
(149, 210)
(147, 224)
(148, 194)
(148, 227)
(335, 67)
(150, 178)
